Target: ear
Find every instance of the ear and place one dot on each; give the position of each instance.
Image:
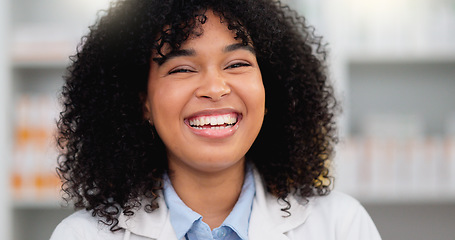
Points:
(146, 109)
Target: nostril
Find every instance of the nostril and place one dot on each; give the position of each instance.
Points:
(214, 94)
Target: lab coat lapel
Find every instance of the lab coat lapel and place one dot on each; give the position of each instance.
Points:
(268, 221)
(154, 225)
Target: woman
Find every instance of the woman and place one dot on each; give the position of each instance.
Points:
(202, 120)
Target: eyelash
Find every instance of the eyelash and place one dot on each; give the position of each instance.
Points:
(180, 70)
(232, 66)
(238, 64)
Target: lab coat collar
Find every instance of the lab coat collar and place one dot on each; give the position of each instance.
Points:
(154, 225)
(267, 221)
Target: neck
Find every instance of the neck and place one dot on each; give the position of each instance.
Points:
(212, 195)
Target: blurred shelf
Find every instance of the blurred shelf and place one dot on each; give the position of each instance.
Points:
(42, 58)
(46, 63)
(31, 198)
(362, 57)
(39, 204)
(421, 198)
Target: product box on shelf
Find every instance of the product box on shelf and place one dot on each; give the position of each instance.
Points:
(34, 176)
(394, 159)
(380, 169)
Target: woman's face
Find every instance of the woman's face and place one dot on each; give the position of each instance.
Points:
(206, 100)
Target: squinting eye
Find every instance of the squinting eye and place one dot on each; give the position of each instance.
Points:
(239, 64)
(180, 70)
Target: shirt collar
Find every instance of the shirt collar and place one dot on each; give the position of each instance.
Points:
(182, 217)
(239, 218)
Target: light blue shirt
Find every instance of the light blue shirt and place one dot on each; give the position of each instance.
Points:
(188, 224)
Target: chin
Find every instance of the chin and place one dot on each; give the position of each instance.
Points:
(210, 165)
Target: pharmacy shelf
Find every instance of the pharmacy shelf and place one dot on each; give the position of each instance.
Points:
(359, 57)
(41, 64)
(413, 198)
(42, 35)
(53, 203)
(395, 170)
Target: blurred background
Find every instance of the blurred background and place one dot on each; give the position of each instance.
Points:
(393, 66)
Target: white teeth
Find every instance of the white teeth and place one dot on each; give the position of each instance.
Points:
(213, 121)
(220, 120)
(227, 119)
(216, 128)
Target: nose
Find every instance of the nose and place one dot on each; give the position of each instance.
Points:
(213, 86)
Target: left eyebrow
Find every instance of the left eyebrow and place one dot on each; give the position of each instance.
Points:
(191, 52)
(174, 54)
(237, 46)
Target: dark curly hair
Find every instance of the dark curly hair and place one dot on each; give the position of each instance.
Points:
(112, 159)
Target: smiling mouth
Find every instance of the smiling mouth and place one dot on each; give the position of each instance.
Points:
(214, 122)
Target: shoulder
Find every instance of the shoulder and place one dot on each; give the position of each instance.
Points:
(82, 225)
(328, 209)
(336, 208)
(340, 215)
(335, 202)
(333, 216)
(80, 217)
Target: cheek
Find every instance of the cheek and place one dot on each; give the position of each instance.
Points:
(252, 93)
(254, 96)
(167, 102)
(258, 104)
(161, 102)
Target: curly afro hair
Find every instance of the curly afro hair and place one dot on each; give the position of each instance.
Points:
(112, 159)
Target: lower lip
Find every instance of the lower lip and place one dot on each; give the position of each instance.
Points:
(216, 133)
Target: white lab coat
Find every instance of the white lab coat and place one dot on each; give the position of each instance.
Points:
(333, 217)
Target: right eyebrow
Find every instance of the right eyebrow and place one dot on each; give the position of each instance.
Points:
(174, 54)
(236, 46)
